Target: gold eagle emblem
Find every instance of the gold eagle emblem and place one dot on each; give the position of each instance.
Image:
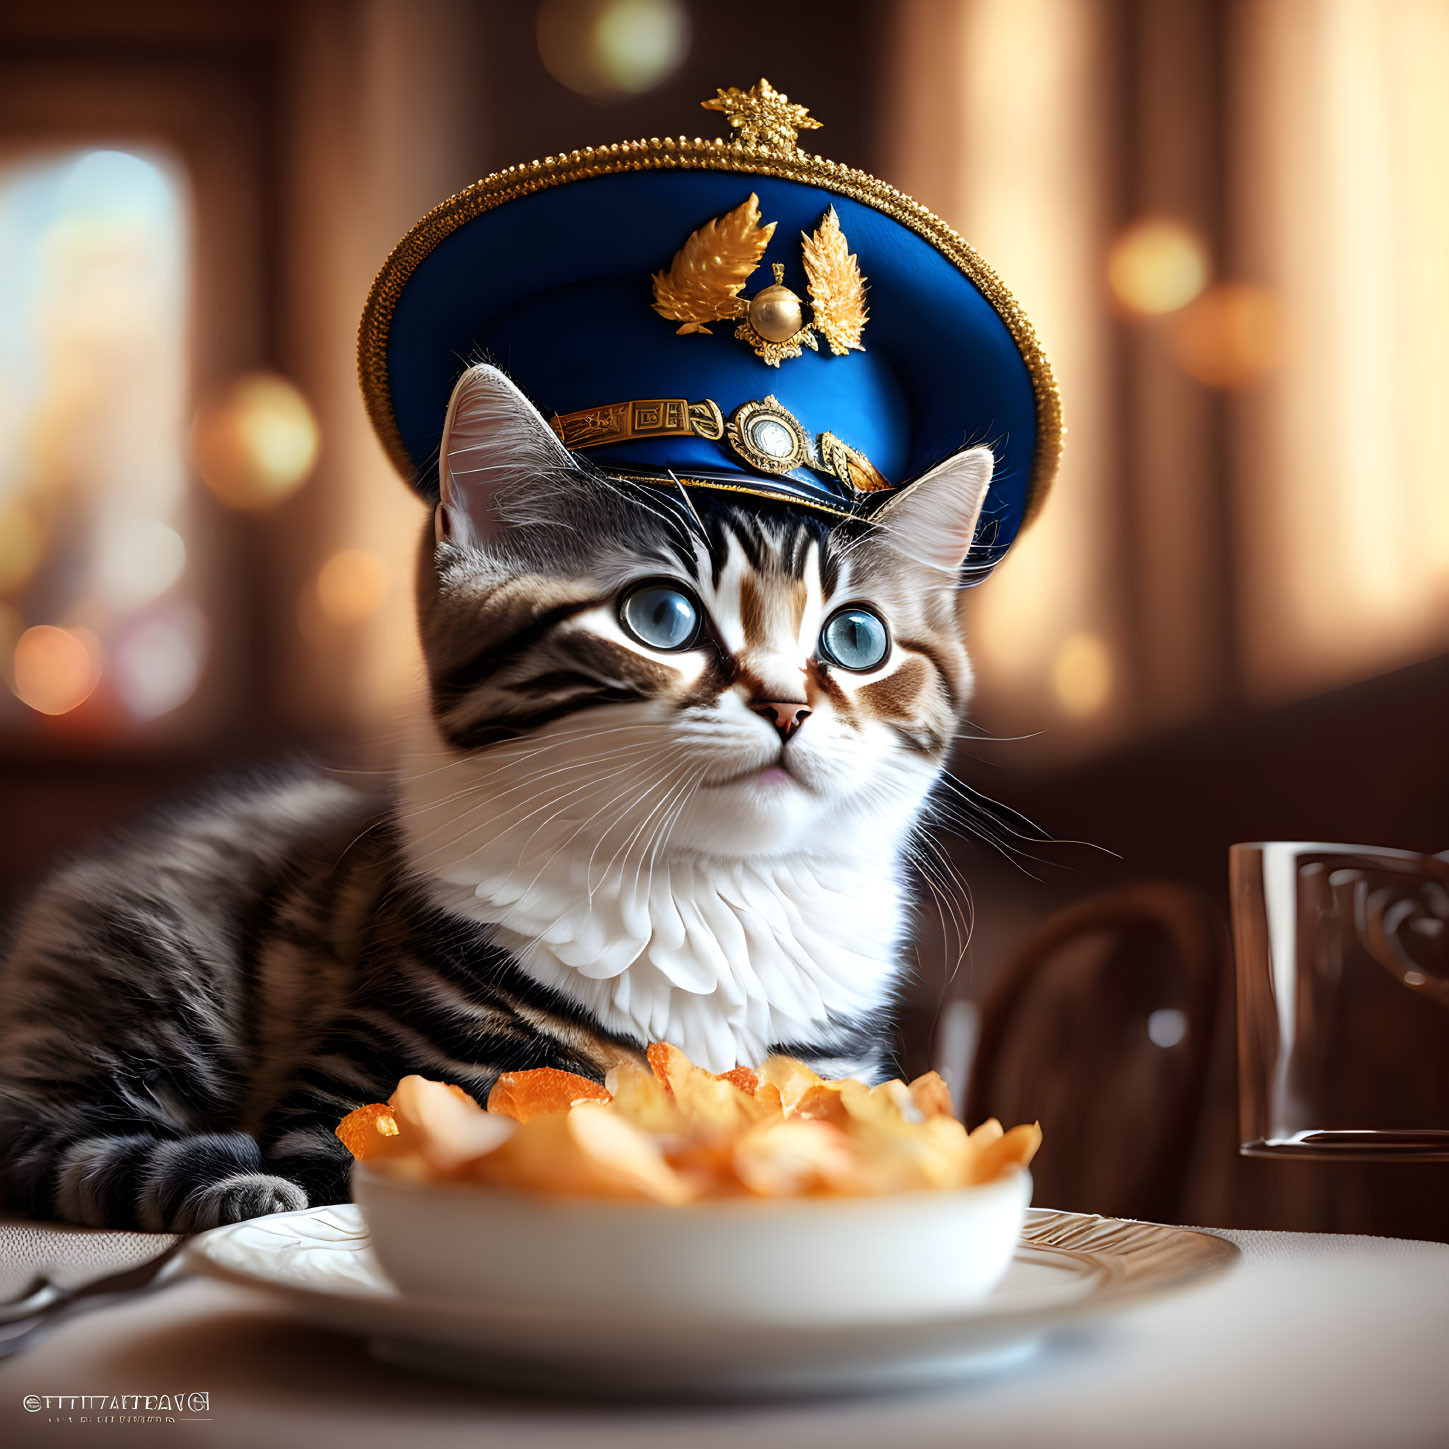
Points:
(706, 281)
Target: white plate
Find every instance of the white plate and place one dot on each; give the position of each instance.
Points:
(1068, 1266)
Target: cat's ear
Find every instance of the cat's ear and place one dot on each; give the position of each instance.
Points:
(934, 520)
(493, 436)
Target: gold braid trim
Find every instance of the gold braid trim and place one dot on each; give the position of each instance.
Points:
(655, 417)
(681, 154)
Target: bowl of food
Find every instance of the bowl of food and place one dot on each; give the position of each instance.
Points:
(767, 1196)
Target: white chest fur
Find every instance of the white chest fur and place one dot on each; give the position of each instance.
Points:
(724, 957)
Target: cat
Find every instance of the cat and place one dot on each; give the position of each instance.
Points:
(672, 751)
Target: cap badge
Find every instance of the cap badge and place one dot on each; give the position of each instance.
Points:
(768, 436)
(763, 118)
(705, 283)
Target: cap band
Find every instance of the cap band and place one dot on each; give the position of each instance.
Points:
(762, 433)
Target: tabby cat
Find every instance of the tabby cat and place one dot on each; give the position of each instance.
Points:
(672, 752)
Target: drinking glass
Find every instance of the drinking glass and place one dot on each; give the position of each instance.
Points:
(1343, 1001)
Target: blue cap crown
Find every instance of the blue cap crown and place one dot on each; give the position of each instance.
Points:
(732, 315)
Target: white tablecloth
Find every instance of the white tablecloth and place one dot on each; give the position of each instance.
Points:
(1312, 1340)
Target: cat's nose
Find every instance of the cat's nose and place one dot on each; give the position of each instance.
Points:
(787, 715)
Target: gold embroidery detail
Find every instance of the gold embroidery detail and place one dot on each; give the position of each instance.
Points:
(703, 282)
(763, 117)
(850, 465)
(749, 433)
(683, 154)
(660, 417)
(837, 289)
(706, 420)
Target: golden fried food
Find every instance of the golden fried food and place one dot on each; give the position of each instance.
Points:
(361, 1131)
(668, 1131)
(526, 1095)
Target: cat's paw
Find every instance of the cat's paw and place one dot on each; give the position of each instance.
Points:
(235, 1199)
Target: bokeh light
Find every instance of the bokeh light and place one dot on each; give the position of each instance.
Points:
(351, 586)
(1082, 674)
(139, 559)
(157, 665)
(1157, 265)
(53, 670)
(1230, 337)
(611, 48)
(1166, 1026)
(256, 444)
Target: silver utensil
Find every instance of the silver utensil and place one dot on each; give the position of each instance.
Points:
(24, 1319)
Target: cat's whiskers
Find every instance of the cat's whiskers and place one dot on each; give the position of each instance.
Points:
(588, 875)
(639, 758)
(951, 895)
(953, 808)
(525, 748)
(954, 821)
(492, 765)
(689, 504)
(480, 792)
(661, 836)
(977, 798)
(657, 785)
(954, 928)
(664, 789)
(665, 755)
(974, 807)
(536, 777)
(951, 891)
(510, 825)
(637, 497)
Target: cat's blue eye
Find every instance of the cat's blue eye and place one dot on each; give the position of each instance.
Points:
(660, 615)
(855, 638)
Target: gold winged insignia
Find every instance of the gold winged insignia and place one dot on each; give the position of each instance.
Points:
(705, 284)
(837, 289)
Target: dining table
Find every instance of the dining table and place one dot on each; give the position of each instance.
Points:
(1307, 1339)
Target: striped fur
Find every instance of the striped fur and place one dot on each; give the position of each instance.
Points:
(589, 844)
(187, 1018)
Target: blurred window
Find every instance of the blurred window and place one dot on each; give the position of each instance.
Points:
(1001, 121)
(99, 632)
(1231, 226)
(1342, 471)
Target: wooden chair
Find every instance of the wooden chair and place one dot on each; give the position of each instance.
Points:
(1102, 1028)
